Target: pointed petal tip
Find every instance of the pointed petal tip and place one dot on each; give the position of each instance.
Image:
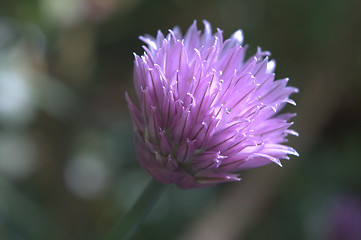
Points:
(292, 132)
(296, 153)
(205, 22)
(271, 66)
(238, 36)
(127, 98)
(233, 178)
(291, 101)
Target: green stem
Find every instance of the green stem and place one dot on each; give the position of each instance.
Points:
(128, 224)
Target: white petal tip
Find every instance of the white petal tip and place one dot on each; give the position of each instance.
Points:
(238, 36)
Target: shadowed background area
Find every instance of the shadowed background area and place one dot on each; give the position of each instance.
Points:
(68, 168)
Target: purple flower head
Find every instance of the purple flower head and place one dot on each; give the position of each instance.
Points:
(204, 112)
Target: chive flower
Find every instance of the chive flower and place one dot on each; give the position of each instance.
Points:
(204, 111)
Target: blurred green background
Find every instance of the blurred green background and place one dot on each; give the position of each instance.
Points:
(67, 161)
